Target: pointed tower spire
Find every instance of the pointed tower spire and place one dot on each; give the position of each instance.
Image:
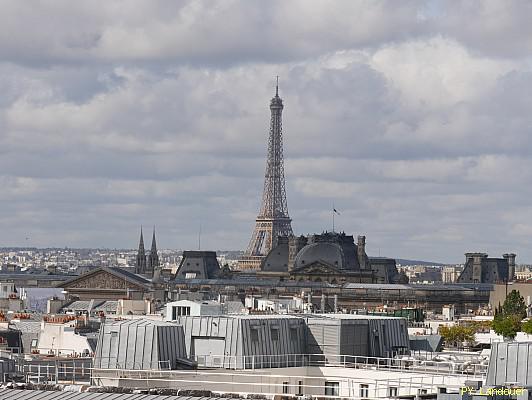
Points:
(153, 242)
(153, 258)
(277, 87)
(140, 267)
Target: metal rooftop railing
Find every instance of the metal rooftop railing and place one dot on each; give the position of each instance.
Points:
(407, 364)
(257, 362)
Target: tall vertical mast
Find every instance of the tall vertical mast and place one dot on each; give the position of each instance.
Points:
(273, 219)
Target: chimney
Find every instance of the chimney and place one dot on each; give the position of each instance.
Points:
(476, 260)
(361, 252)
(511, 265)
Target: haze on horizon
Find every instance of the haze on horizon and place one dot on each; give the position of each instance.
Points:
(412, 117)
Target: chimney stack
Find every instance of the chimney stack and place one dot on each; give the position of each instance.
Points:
(361, 252)
(511, 265)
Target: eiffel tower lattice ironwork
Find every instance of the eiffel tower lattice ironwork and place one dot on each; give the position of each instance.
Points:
(273, 220)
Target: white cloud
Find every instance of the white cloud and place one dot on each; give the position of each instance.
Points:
(438, 73)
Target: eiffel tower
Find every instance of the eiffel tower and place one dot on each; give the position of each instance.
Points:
(273, 220)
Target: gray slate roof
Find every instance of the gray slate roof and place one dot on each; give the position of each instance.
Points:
(77, 305)
(14, 394)
(26, 326)
(234, 307)
(128, 274)
(107, 306)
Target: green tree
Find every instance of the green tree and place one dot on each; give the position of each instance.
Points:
(455, 335)
(514, 304)
(507, 319)
(507, 326)
(527, 327)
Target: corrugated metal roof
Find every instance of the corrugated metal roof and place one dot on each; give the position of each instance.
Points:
(14, 394)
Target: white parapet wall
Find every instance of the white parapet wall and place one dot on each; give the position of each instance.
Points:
(315, 381)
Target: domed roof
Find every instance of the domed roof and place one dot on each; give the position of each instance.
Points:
(330, 253)
(277, 259)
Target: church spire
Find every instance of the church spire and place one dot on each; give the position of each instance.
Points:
(141, 242)
(153, 258)
(140, 266)
(153, 243)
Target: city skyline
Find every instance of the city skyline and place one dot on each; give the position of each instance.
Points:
(414, 123)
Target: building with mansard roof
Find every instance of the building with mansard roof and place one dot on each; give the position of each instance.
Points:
(479, 268)
(331, 257)
(198, 265)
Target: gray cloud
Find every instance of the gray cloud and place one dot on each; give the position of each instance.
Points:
(212, 33)
(494, 28)
(410, 119)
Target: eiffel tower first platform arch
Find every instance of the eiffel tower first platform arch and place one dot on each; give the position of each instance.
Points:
(273, 219)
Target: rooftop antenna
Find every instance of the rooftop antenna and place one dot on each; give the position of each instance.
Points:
(277, 87)
(199, 238)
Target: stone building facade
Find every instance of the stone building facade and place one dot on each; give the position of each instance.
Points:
(479, 268)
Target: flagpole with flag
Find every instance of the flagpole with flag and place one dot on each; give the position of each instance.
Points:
(334, 211)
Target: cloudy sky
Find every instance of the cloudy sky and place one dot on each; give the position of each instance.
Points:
(414, 118)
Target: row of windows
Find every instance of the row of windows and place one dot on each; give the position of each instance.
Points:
(274, 334)
(179, 311)
(333, 389)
